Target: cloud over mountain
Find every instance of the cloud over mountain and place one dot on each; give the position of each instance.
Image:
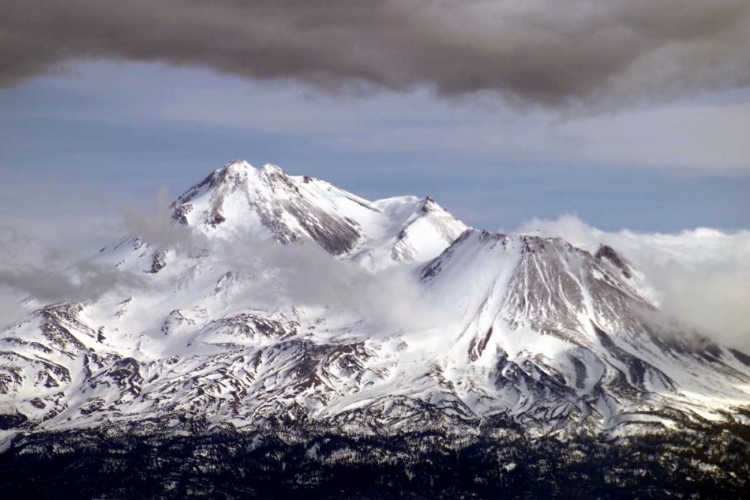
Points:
(700, 276)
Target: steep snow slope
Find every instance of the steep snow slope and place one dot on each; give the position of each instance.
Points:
(286, 296)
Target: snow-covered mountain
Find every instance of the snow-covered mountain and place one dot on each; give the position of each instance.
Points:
(281, 297)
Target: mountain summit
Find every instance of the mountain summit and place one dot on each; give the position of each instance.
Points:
(306, 303)
(291, 208)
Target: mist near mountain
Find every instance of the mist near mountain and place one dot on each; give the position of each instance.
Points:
(700, 276)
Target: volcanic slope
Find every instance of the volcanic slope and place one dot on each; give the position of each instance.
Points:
(272, 296)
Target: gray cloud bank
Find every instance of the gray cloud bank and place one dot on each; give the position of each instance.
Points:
(544, 52)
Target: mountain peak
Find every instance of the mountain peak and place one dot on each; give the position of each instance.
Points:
(237, 166)
(241, 171)
(606, 252)
(239, 196)
(237, 169)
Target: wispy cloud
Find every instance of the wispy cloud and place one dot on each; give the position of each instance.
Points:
(701, 277)
(272, 276)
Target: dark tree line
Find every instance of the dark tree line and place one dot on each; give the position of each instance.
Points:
(306, 462)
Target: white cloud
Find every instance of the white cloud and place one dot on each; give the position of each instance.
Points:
(18, 251)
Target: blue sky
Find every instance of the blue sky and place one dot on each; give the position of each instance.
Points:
(81, 146)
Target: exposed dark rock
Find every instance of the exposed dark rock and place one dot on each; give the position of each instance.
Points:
(12, 421)
(158, 262)
(607, 252)
(180, 212)
(216, 218)
(741, 356)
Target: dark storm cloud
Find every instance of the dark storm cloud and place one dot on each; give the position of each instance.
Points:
(547, 52)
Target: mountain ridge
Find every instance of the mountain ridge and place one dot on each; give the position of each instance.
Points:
(366, 316)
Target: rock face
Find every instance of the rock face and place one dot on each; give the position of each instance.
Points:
(387, 318)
